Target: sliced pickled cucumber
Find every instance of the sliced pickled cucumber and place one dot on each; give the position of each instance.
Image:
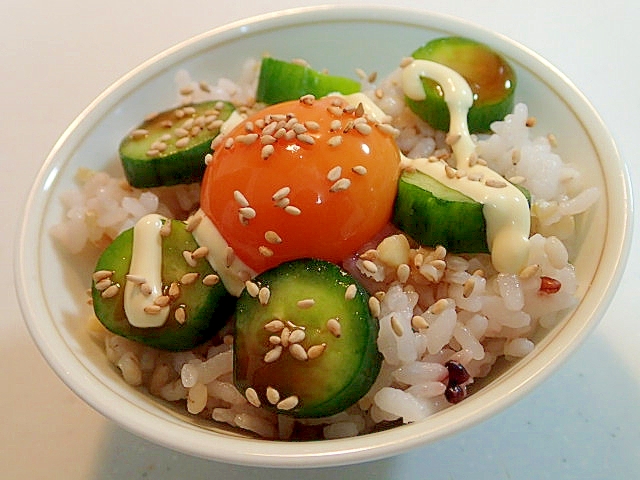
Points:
(204, 309)
(434, 214)
(281, 81)
(489, 75)
(305, 340)
(169, 148)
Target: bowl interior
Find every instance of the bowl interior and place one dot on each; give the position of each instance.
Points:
(52, 284)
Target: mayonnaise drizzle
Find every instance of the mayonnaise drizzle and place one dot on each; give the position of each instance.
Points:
(146, 262)
(505, 209)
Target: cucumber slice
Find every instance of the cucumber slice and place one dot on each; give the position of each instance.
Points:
(206, 308)
(434, 214)
(281, 81)
(169, 148)
(345, 366)
(491, 78)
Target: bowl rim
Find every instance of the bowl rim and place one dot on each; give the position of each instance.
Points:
(195, 441)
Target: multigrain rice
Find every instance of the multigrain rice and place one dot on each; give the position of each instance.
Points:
(434, 307)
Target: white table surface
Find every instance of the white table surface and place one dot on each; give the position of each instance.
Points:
(55, 57)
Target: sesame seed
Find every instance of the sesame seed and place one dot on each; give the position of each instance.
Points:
(165, 229)
(174, 290)
(374, 306)
(103, 284)
(340, 185)
(359, 169)
(334, 174)
(335, 125)
(306, 303)
(298, 352)
(252, 397)
(230, 256)
(299, 128)
(281, 193)
(189, 278)
(363, 128)
(267, 139)
(490, 182)
(275, 340)
(449, 171)
(288, 403)
(419, 323)
(181, 132)
(291, 210)
(179, 113)
(369, 266)
(247, 139)
(166, 124)
(406, 61)
(306, 138)
(274, 326)
(263, 295)
(335, 110)
(101, 275)
(247, 212)
(297, 336)
(334, 327)
(396, 326)
(110, 291)
(137, 279)
(189, 110)
(228, 143)
(350, 292)
(312, 125)
(204, 86)
(283, 202)
(388, 129)
(162, 301)
(273, 396)
(252, 288)
(439, 307)
(273, 354)
(402, 272)
(272, 237)
(265, 251)
(145, 288)
(335, 141)
(249, 126)
(240, 199)
(307, 99)
(267, 151)
(529, 271)
(211, 280)
(152, 309)
(192, 222)
(139, 133)
(475, 177)
(152, 153)
(188, 257)
(284, 337)
(200, 252)
(180, 315)
(467, 287)
(183, 142)
(517, 179)
(316, 350)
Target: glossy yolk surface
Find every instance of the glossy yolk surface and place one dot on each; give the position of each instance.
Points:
(301, 179)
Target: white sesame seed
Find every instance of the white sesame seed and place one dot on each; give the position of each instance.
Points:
(200, 252)
(275, 340)
(334, 174)
(240, 199)
(230, 256)
(419, 323)
(189, 278)
(406, 61)
(402, 272)
(334, 327)
(298, 352)
(103, 284)
(162, 301)
(247, 139)
(152, 309)
(335, 110)
(274, 326)
(174, 290)
(145, 288)
(110, 291)
(273, 396)
(152, 153)
(439, 307)
(374, 306)
(306, 303)
(268, 139)
(490, 182)
(247, 212)
(101, 275)
(211, 280)
(188, 257)
(291, 210)
(165, 229)
(288, 403)
(340, 185)
(369, 266)
(335, 141)
(228, 143)
(252, 397)
(351, 292)
(181, 132)
(316, 350)
(312, 125)
(139, 133)
(273, 354)
(396, 326)
(180, 315)
(272, 237)
(529, 271)
(284, 337)
(281, 193)
(363, 128)
(307, 99)
(265, 251)
(335, 125)
(252, 288)
(192, 222)
(283, 202)
(306, 138)
(263, 295)
(267, 151)
(297, 336)
(359, 169)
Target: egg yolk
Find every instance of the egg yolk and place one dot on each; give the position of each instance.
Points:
(313, 178)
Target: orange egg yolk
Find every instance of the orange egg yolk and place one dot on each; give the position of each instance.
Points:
(301, 179)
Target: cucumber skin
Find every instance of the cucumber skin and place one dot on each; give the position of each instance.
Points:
(175, 166)
(281, 81)
(459, 226)
(213, 312)
(330, 376)
(434, 110)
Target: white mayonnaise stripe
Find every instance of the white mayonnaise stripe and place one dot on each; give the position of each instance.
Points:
(232, 271)
(505, 208)
(146, 262)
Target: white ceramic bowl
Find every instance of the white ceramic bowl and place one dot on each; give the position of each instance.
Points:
(51, 285)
